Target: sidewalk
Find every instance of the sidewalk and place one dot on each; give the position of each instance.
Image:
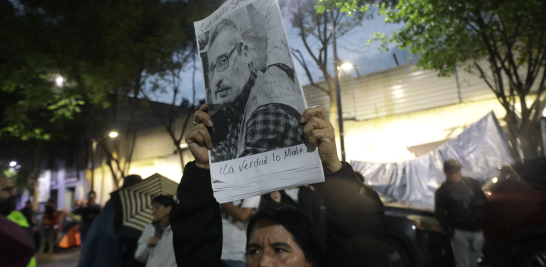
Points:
(64, 258)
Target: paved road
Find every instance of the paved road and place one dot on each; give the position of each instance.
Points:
(63, 258)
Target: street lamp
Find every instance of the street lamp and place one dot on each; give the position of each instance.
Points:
(337, 68)
(347, 66)
(59, 81)
(112, 134)
(13, 164)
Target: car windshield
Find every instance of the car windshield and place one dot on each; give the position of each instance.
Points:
(503, 173)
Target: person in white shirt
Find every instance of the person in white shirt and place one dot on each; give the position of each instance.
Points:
(155, 245)
(234, 216)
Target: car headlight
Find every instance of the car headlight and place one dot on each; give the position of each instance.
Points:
(425, 223)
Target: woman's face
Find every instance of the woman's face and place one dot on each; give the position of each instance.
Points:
(270, 244)
(276, 196)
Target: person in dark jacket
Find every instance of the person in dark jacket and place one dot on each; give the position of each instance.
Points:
(88, 211)
(285, 237)
(458, 207)
(29, 214)
(374, 221)
(105, 247)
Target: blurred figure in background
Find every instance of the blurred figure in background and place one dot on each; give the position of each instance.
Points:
(7, 210)
(155, 246)
(7, 196)
(88, 211)
(458, 208)
(29, 214)
(104, 247)
(234, 216)
(48, 230)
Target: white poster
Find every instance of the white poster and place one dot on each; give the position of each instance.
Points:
(255, 101)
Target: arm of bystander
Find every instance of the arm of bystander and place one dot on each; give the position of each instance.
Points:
(440, 211)
(143, 250)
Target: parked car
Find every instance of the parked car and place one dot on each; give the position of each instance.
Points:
(515, 228)
(413, 236)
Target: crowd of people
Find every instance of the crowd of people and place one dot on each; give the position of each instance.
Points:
(335, 223)
(279, 228)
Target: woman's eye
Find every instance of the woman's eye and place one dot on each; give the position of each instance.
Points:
(279, 250)
(253, 252)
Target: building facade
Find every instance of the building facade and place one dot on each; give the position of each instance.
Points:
(389, 116)
(401, 113)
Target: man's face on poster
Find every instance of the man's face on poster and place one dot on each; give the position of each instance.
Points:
(229, 68)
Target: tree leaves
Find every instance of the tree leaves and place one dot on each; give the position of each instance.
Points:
(502, 41)
(99, 47)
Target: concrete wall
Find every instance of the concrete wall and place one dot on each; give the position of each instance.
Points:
(387, 139)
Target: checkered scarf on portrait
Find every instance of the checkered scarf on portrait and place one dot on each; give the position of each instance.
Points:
(270, 127)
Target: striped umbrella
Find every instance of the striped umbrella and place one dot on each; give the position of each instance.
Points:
(134, 204)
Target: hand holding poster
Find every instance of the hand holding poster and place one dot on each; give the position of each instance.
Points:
(255, 102)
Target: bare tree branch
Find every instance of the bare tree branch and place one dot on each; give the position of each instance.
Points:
(299, 57)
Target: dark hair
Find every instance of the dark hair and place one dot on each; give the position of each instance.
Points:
(452, 166)
(49, 212)
(91, 192)
(228, 25)
(165, 201)
(131, 180)
(298, 224)
(360, 177)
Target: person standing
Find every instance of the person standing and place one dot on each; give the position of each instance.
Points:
(155, 245)
(88, 211)
(234, 216)
(16, 218)
(105, 247)
(29, 214)
(458, 208)
(48, 234)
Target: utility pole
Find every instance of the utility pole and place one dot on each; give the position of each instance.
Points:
(338, 91)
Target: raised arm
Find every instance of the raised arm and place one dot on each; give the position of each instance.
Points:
(196, 221)
(143, 250)
(349, 212)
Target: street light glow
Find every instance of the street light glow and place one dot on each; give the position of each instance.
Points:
(12, 164)
(347, 66)
(59, 81)
(495, 180)
(113, 134)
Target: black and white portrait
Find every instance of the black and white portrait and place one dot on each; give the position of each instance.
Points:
(252, 88)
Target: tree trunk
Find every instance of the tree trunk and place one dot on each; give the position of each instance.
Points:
(524, 137)
(530, 139)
